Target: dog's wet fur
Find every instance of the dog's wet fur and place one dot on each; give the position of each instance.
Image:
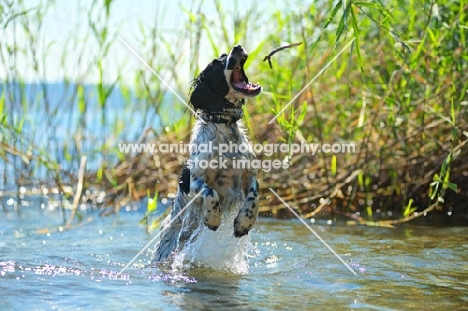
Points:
(218, 96)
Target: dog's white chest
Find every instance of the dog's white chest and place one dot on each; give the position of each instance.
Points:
(226, 163)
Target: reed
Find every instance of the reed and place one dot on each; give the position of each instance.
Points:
(399, 93)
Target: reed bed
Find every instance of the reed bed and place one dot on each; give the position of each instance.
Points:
(399, 93)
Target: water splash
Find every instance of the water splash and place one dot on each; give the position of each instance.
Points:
(218, 250)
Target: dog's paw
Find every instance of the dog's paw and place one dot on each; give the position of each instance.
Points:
(212, 213)
(246, 218)
(241, 226)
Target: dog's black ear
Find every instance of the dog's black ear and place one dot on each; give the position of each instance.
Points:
(204, 99)
(210, 87)
(213, 76)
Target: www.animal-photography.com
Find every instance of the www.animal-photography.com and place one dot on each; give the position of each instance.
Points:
(214, 154)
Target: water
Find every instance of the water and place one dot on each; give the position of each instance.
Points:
(410, 268)
(215, 249)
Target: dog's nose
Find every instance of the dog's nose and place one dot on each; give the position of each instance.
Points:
(239, 50)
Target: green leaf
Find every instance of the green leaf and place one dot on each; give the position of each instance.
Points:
(333, 165)
(99, 174)
(332, 15)
(435, 184)
(81, 99)
(360, 179)
(2, 105)
(78, 215)
(303, 113)
(367, 181)
(328, 21)
(357, 42)
(452, 186)
(452, 111)
(370, 5)
(110, 178)
(409, 210)
(144, 220)
(341, 25)
(152, 202)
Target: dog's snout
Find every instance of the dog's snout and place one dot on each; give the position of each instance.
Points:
(236, 57)
(239, 51)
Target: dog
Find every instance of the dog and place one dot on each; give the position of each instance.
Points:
(218, 96)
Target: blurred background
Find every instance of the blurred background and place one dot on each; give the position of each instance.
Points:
(71, 91)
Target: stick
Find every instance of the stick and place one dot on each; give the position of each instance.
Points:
(268, 57)
(79, 188)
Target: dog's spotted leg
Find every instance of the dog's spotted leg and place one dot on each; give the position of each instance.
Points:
(212, 211)
(248, 213)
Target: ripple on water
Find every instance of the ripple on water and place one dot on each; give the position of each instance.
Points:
(287, 269)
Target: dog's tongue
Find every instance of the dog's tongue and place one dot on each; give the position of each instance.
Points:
(239, 84)
(238, 79)
(245, 86)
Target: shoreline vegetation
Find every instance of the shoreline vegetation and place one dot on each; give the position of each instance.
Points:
(399, 93)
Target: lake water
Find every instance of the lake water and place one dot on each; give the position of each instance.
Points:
(408, 268)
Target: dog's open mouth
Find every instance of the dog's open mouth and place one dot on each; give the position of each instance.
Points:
(240, 83)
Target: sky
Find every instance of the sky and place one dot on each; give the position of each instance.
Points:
(66, 28)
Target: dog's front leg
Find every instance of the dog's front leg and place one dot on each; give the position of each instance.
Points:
(212, 212)
(248, 213)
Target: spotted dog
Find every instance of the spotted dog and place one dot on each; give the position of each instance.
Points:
(218, 95)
